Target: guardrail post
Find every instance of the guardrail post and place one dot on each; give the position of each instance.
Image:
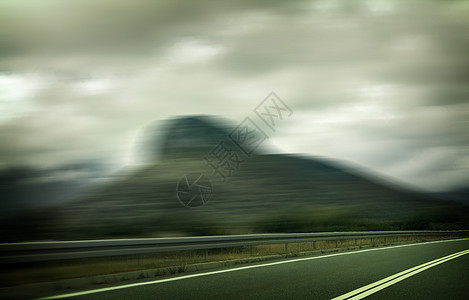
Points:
(336, 244)
(314, 245)
(371, 241)
(385, 240)
(355, 241)
(286, 247)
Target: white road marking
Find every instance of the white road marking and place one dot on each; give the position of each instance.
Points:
(372, 288)
(233, 270)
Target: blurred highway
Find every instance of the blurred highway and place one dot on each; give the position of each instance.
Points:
(319, 277)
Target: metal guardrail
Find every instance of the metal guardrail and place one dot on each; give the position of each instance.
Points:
(60, 250)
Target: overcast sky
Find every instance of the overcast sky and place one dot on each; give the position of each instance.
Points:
(381, 83)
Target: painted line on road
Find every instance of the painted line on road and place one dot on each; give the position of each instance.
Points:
(372, 288)
(130, 285)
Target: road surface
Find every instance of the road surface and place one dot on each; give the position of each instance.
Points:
(434, 270)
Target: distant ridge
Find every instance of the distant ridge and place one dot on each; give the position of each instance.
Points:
(268, 193)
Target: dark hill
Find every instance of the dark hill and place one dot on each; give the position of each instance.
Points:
(268, 193)
(460, 195)
(183, 137)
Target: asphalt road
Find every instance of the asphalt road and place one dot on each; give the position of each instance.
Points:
(321, 277)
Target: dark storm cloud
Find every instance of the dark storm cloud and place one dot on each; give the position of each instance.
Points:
(112, 27)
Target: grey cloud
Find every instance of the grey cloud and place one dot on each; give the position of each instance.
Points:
(319, 60)
(113, 27)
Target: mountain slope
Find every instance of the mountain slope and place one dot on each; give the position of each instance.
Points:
(267, 193)
(183, 137)
(460, 195)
